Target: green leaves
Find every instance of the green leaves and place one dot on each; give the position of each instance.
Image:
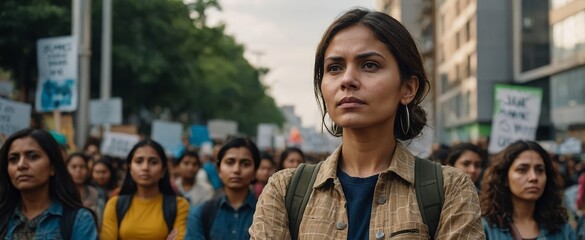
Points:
(161, 57)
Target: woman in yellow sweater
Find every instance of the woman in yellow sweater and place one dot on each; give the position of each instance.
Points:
(145, 208)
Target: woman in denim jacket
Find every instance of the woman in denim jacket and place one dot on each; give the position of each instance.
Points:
(36, 190)
(521, 197)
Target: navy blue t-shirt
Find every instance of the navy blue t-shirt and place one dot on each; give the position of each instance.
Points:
(359, 193)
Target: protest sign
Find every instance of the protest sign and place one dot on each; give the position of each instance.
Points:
(571, 145)
(105, 111)
(516, 113)
(57, 84)
(221, 129)
(266, 134)
(168, 134)
(14, 116)
(118, 144)
(198, 135)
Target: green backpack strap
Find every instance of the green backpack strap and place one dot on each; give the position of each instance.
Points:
(298, 194)
(428, 185)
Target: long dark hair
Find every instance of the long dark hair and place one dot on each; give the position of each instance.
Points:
(400, 43)
(113, 182)
(164, 184)
(496, 197)
(240, 142)
(61, 186)
(85, 159)
(458, 150)
(287, 152)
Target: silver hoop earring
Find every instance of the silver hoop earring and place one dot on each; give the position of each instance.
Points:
(407, 121)
(336, 129)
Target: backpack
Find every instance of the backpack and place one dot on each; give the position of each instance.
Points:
(169, 208)
(580, 230)
(67, 221)
(209, 210)
(428, 185)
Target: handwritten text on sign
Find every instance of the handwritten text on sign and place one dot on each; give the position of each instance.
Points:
(14, 116)
(57, 85)
(118, 144)
(515, 116)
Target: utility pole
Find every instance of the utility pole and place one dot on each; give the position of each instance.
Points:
(106, 74)
(82, 31)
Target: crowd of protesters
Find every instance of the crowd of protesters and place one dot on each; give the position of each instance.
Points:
(541, 192)
(233, 190)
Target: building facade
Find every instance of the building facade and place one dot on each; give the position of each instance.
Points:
(478, 44)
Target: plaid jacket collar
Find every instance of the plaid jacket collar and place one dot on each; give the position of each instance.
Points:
(402, 165)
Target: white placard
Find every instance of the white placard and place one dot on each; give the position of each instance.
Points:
(221, 129)
(14, 116)
(516, 114)
(168, 134)
(571, 145)
(6, 87)
(118, 144)
(57, 85)
(265, 135)
(105, 111)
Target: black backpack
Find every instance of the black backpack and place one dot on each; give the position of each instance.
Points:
(428, 182)
(67, 221)
(209, 210)
(169, 208)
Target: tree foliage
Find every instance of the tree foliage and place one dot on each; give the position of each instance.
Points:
(161, 58)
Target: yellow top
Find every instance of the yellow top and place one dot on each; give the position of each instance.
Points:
(143, 220)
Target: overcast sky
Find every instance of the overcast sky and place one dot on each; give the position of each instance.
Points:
(286, 33)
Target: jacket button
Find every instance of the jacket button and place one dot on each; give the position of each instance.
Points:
(340, 225)
(382, 200)
(379, 235)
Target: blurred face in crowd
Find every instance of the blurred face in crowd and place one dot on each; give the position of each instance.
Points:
(91, 150)
(527, 176)
(236, 168)
(188, 167)
(292, 160)
(100, 174)
(265, 170)
(146, 167)
(77, 168)
(29, 166)
(469, 162)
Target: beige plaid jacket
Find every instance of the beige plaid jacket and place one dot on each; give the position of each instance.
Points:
(395, 212)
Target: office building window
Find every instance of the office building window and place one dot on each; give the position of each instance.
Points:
(567, 88)
(568, 37)
(468, 67)
(560, 3)
(457, 43)
(467, 31)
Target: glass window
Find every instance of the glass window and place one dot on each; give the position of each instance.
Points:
(467, 31)
(567, 88)
(580, 31)
(457, 43)
(560, 3)
(568, 37)
(468, 66)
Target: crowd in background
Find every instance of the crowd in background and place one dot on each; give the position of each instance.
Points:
(198, 176)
